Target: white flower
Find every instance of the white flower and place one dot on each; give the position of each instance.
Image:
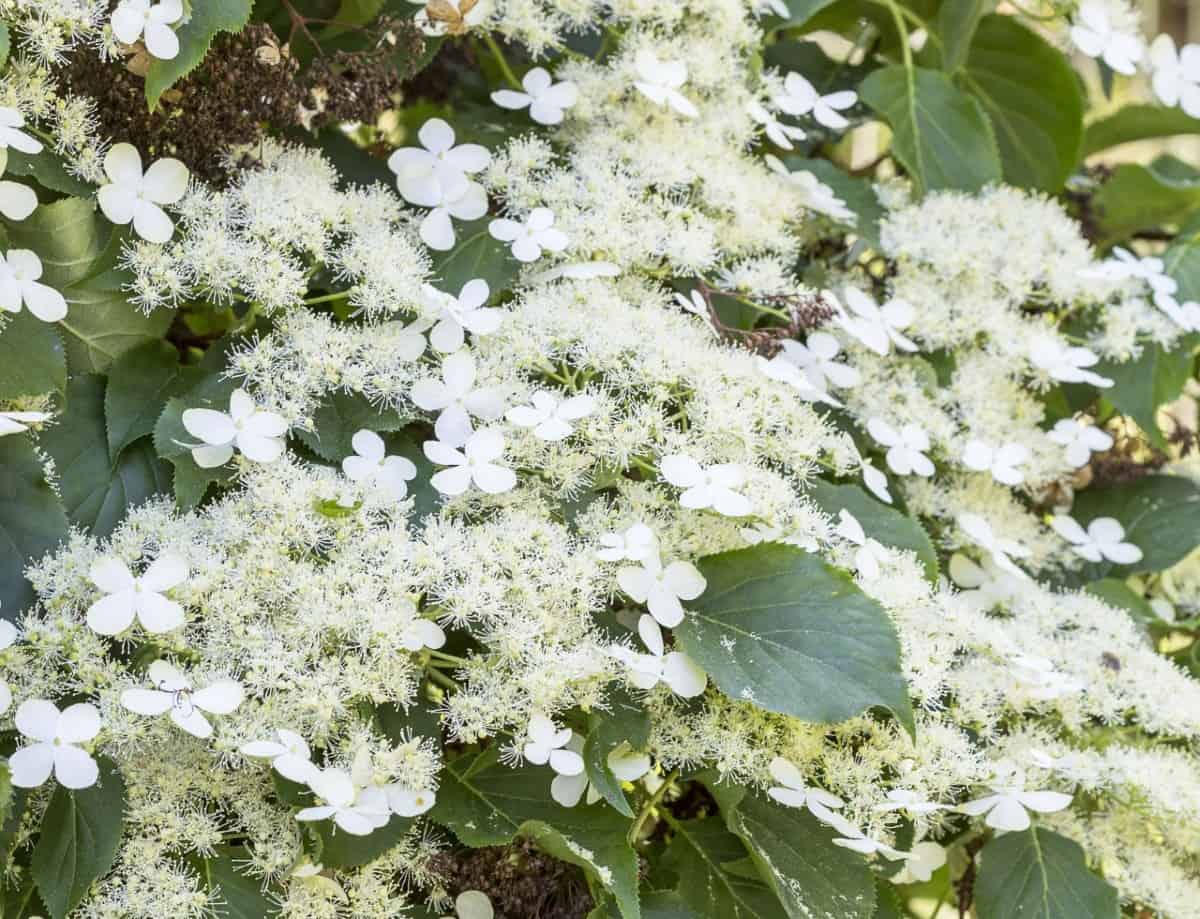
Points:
(985, 586)
(1094, 35)
(1065, 363)
(877, 327)
(817, 359)
(875, 481)
(258, 434)
(907, 800)
(906, 447)
(1008, 808)
(1001, 461)
(173, 693)
(528, 239)
(134, 19)
(636, 544)
(1176, 74)
(19, 422)
(780, 134)
(19, 273)
(816, 195)
(430, 176)
(55, 749)
(550, 417)
(626, 765)
(920, 864)
(421, 633)
(1102, 539)
(289, 755)
(357, 811)
(1080, 440)
(547, 743)
(472, 904)
(132, 196)
(785, 371)
(662, 589)
(792, 792)
(856, 840)
(409, 802)
(457, 399)
(660, 81)
(17, 201)
(979, 531)
(473, 463)
(11, 135)
(800, 97)
(1124, 264)
(870, 555)
(451, 18)
(682, 675)
(388, 474)
(130, 597)
(545, 98)
(1042, 679)
(707, 486)
(461, 314)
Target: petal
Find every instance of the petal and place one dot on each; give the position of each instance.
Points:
(437, 232)
(162, 43)
(469, 157)
(31, 766)
(146, 701)
(193, 722)
(111, 575)
(1044, 802)
(664, 606)
(260, 449)
(1069, 529)
(566, 762)
(212, 457)
(78, 723)
(683, 675)
(262, 749)
(681, 471)
(75, 768)
(1124, 553)
(635, 582)
(443, 454)
(474, 904)
(453, 481)
(46, 303)
(324, 812)
(568, 789)
(436, 136)
(221, 698)
(158, 614)
(123, 164)
(493, 479)
(17, 201)
(164, 573)
(265, 424)
(112, 614)
(127, 21)
(1106, 530)
(506, 98)
(526, 249)
(167, 677)
(651, 634)
(684, 580)
(544, 112)
(485, 446)
(470, 204)
(1008, 814)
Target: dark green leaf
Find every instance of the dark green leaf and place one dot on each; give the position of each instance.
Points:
(778, 627)
(956, 24)
(102, 325)
(5, 44)
(1140, 198)
(32, 359)
(940, 134)
(1037, 874)
(1137, 122)
(344, 850)
(699, 853)
(65, 236)
(32, 521)
(1182, 261)
(81, 832)
(1160, 514)
(139, 385)
(626, 722)
(1155, 378)
(476, 255)
(195, 36)
(341, 416)
(239, 896)
(48, 170)
(887, 902)
(799, 12)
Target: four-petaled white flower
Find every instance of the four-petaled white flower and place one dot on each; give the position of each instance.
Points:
(356, 810)
(19, 285)
(1080, 440)
(793, 792)
(475, 462)
(1125, 264)
(1007, 808)
(530, 237)
(682, 675)
(133, 196)
(134, 19)
(1103, 539)
(877, 327)
(662, 589)
(371, 464)
(173, 694)
(979, 531)
(660, 81)
(457, 315)
(636, 544)
(141, 597)
(707, 486)
(817, 358)
(472, 904)
(456, 399)
(906, 447)
(1094, 35)
(1176, 74)
(56, 746)
(907, 800)
(1001, 461)
(785, 371)
(780, 134)
(1066, 364)
(869, 556)
(257, 433)
(984, 586)
(546, 99)
(19, 422)
(436, 177)
(547, 743)
(920, 864)
(551, 417)
(800, 97)
(289, 755)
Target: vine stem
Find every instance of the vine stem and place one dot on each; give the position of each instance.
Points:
(327, 298)
(652, 802)
(502, 61)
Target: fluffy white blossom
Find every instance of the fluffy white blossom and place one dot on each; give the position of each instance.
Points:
(56, 745)
(800, 97)
(371, 464)
(792, 791)
(1066, 364)
(455, 316)
(1002, 461)
(662, 589)
(1096, 36)
(704, 487)
(1176, 74)
(289, 754)
(474, 463)
(545, 99)
(550, 417)
(906, 447)
(877, 327)
(1079, 440)
(457, 399)
(356, 810)
(530, 237)
(1008, 807)
(999, 550)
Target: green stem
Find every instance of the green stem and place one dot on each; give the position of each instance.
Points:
(652, 802)
(502, 61)
(436, 676)
(902, 32)
(448, 658)
(327, 298)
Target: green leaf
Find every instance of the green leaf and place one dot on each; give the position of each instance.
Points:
(1037, 874)
(956, 24)
(941, 135)
(344, 850)
(1136, 122)
(799, 12)
(139, 385)
(1182, 261)
(1033, 98)
(778, 627)
(5, 44)
(81, 832)
(65, 237)
(626, 722)
(1152, 380)
(1140, 198)
(32, 521)
(486, 804)
(341, 416)
(476, 255)
(1160, 514)
(96, 491)
(195, 36)
(858, 194)
(48, 170)
(32, 359)
(887, 902)
(173, 443)
(701, 852)
(882, 523)
(239, 895)
(351, 13)
(102, 325)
